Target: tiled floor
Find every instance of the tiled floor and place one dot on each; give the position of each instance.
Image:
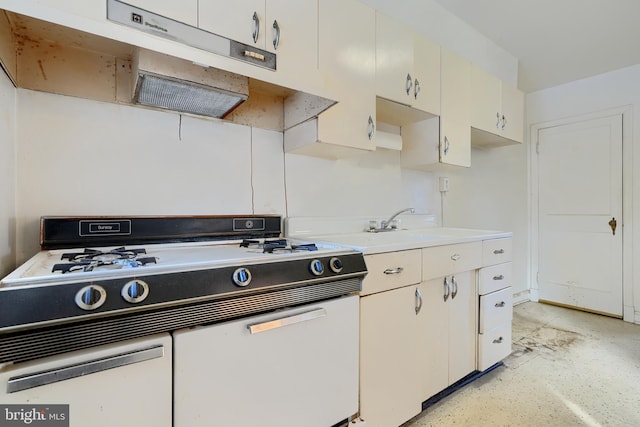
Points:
(568, 368)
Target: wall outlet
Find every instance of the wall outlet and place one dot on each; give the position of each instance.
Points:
(443, 184)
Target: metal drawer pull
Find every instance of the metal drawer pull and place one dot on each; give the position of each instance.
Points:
(456, 257)
(498, 341)
(500, 304)
(498, 251)
(447, 289)
(68, 372)
(454, 282)
(418, 301)
(286, 321)
(396, 270)
(500, 277)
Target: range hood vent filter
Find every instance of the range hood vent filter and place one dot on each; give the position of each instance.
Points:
(185, 96)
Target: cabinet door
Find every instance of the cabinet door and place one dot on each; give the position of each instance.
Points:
(433, 333)
(347, 63)
(486, 104)
(462, 326)
(394, 60)
(455, 131)
(389, 383)
(426, 69)
(235, 20)
(513, 111)
(182, 11)
(291, 29)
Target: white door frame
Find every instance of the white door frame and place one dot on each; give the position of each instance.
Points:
(627, 200)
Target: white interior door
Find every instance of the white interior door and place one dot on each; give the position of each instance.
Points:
(580, 192)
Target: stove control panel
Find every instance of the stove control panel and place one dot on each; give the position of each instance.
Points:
(241, 276)
(91, 297)
(135, 291)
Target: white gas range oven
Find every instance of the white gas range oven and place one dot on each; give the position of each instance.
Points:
(214, 320)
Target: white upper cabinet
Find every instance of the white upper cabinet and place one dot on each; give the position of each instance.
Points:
(347, 65)
(497, 110)
(242, 20)
(455, 132)
(407, 66)
(182, 11)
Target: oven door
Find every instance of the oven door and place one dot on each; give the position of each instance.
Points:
(287, 368)
(122, 384)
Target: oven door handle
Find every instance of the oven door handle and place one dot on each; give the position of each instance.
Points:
(286, 321)
(26, 382)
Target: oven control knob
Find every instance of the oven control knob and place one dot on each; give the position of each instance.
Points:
(242, 276)
(91, 297)
(336, 265)
(316, 267)
(135, 291)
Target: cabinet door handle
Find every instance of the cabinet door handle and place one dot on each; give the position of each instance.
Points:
(418, 301)
(396, 270)
(456, 257)
(497, 120)
(446, 146)
(504, 122)
(500, 304)
(256, 27)
(68, 372)
(372, 128)
(498, 340)
(454, 283)
(276, 35)
(409, 83)
(498, 252)
(500, 277)
(416, 89)
(447, 290)
(286, 321)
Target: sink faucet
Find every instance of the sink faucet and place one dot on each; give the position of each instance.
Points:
(385, 224)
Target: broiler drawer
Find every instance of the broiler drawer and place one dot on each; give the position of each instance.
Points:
(495, 308)
(392, 270)
(494, 278)
(494, 345)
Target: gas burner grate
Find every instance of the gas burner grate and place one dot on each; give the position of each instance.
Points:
(277, 245)
(91, 259)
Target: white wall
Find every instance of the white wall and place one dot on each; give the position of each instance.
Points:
(7, 175)
(605, 92)
(492, 194)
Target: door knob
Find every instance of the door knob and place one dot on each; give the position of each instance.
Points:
(613, 224)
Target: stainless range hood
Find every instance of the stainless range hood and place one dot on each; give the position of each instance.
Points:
(174, 84)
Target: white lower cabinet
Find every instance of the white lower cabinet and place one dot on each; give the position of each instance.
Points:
(449, 331)
(495, 302)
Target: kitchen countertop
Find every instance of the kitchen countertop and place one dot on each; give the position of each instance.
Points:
(400, 240)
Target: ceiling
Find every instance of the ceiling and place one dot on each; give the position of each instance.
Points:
(557, 41)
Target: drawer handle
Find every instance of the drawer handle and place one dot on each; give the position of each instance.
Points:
(500, 277)
(286, 321)
(498, 251)
(456, 257)
(500, 304)
(498, 341)
(396, 270)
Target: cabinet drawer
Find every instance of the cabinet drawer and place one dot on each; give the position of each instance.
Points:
(494, 278)
(391, 270)
(496, 251)
(496, 308)
(441, 261)
(494, 345)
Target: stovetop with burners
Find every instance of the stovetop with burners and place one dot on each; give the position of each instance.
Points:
(97, 269)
